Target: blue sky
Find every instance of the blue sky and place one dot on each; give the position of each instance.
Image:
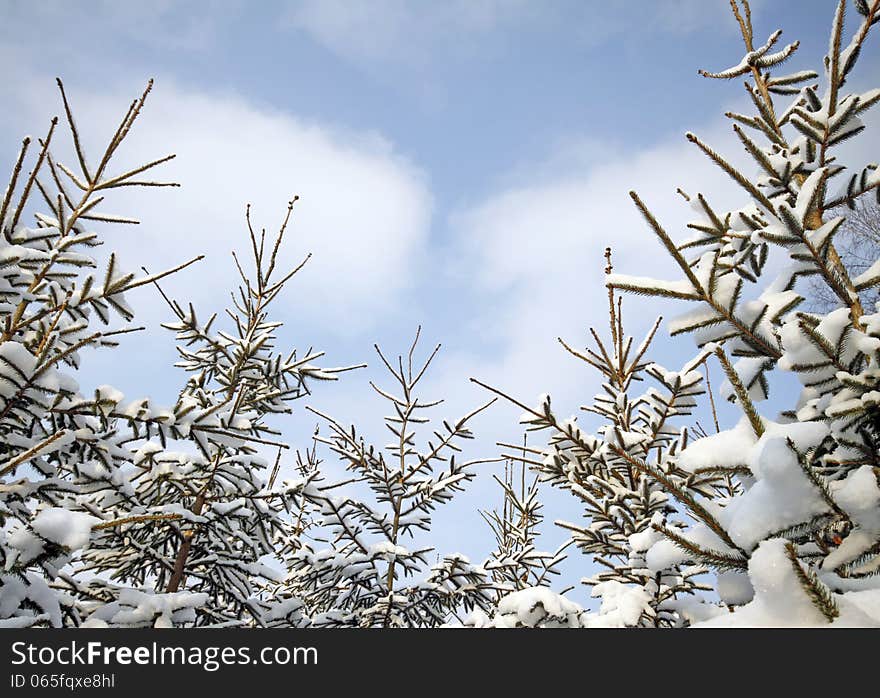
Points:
(462, 165)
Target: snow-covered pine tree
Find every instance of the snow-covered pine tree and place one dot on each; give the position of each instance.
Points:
(521, 572)
(122, 512)
(53, 309)
(626, 507)
(800, 543)
(516, 563)
(202, 464)
(366, 576)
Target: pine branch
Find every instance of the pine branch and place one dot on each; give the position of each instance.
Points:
(741, 393)
(714, 558)
(817, 481)
(818, 593)
(682, 495)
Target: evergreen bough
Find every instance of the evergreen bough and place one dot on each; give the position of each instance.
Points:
(809, 479)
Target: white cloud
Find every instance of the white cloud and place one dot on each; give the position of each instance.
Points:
(364, 210)
(535, 253)
(364, 213)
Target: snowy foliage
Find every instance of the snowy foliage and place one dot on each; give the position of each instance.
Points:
(373, 571)
(118, 512)
(225, 512)
(124, 512)
(531, 607)
(619, 474)
(516, 563)
(797, 542)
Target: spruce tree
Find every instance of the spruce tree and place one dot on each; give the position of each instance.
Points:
(522, 573)
(368, 566)
(124, 512)
(516, 563)
(617, 475)
(59, 452)
(204, 465)
(799, 541)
